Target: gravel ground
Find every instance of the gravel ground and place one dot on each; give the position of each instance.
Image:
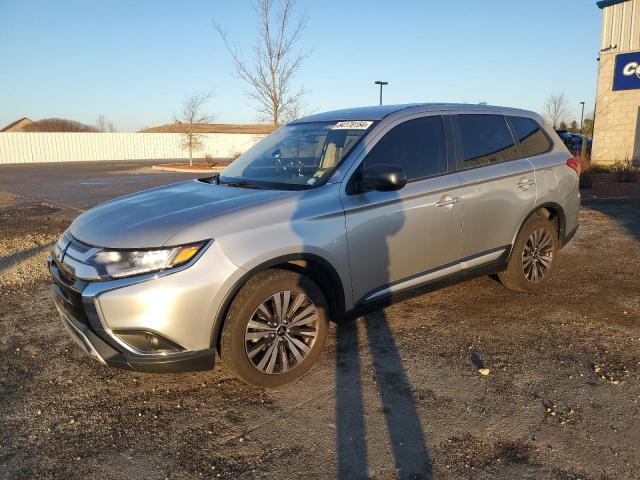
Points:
(81, 185)
(395, 394)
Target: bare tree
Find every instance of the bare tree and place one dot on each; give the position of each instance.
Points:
(188, 122)
(101, 123)
(104, 126)
(574, 127)
(275, 61)
(587, 126)
(555, 109)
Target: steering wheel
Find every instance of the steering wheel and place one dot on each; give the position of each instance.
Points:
(287, 165)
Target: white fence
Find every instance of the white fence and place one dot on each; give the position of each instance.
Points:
(23, 147)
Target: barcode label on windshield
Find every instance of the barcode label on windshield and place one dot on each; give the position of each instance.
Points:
(353, 125)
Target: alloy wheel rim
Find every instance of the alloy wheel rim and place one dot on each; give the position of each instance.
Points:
(537, 255)
(281, 332)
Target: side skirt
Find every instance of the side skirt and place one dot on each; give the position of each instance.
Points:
(489, 268)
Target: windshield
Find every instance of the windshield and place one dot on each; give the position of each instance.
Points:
(300, 155)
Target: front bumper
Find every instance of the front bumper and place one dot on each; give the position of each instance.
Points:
(178, 305)
(105, 353)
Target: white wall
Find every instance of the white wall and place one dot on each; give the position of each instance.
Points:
(22, 147)
(621, 26)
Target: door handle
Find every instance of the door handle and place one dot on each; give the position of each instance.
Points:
(524, 183)
(447, 200)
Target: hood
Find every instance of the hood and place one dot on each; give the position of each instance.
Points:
(150, 218)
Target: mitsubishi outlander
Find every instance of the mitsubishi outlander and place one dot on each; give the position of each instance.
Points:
(328, 216)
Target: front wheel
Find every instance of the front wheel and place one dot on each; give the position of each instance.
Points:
(533, 258)
(275, 329)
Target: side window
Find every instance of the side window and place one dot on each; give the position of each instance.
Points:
(418, 146)
(532, 138)
(485, 139)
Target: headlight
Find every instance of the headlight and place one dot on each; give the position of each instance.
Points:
(125, 263)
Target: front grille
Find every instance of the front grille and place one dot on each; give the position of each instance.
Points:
(79, 246)
(68, 292)
(71, 302)
(67, 277)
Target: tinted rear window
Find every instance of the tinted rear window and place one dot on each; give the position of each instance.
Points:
(486, 139)
(418, 146)
(533, 140)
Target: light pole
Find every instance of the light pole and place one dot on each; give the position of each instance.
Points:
(381, 83)
(581, 117)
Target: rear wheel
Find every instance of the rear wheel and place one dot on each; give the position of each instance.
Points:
(533, 257)
(275, 329)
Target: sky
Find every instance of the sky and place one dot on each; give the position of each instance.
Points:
(136, 61)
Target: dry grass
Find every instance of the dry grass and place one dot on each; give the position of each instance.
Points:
(625, 170)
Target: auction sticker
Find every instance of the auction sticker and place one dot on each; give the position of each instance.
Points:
(352, 125)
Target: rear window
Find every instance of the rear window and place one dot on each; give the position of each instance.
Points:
(486, 139)
(532, 138)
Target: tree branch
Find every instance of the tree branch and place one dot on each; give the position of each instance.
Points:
(275, 63)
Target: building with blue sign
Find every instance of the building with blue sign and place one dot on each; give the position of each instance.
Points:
(616, 133)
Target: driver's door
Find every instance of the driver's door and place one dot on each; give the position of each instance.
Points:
(403, 238)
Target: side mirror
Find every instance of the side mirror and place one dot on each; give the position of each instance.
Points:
(383, 177)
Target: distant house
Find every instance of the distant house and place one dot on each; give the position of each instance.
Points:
(21, 125)
(253, 128)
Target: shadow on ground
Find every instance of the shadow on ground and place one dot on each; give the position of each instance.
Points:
(401, 415)
(618, 210)
(8, 260)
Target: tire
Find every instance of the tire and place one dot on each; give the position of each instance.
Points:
(530, 276)
(252, 327)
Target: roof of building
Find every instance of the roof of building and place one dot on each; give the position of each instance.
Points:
(379, 112)
(609, 3)
(17, 125)
(254, 128)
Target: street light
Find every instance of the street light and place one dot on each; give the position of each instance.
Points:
(381, 83)
(583, 144)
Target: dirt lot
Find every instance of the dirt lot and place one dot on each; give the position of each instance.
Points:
(396, 394)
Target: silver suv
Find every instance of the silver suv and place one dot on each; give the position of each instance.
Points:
(328, 216)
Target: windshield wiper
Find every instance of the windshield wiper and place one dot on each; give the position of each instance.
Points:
(242, 184)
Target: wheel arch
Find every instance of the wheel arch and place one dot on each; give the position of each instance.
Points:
(551, 211)
(314, 266)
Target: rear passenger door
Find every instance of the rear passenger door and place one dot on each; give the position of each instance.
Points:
(498, 185)
(534, 143)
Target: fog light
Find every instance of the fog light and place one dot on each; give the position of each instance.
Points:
(148, 342)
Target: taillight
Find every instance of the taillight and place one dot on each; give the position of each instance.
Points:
(574, 162)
